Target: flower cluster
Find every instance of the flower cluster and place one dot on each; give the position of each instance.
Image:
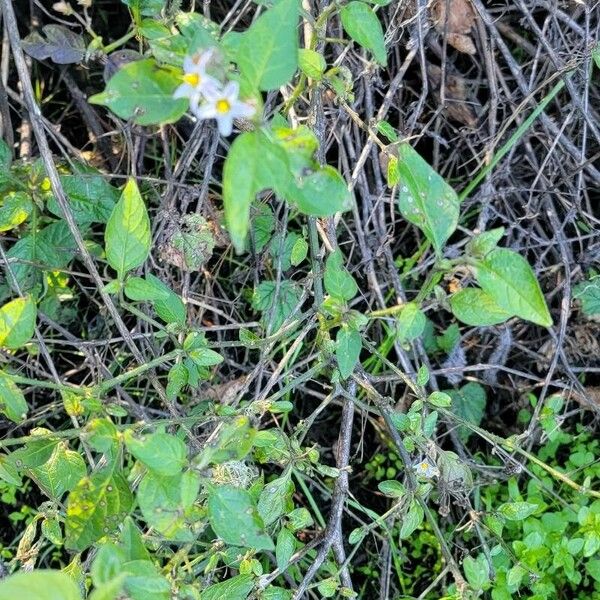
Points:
(209, 99)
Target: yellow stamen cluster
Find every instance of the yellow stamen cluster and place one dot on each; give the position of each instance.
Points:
(192, 79)
(223, 106)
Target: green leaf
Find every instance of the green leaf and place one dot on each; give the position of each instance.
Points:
(235, 588)
(107, 564)
(5, 156)
(284, 548)
(321, 194)
(41, 584)
(127, 237)
(275, 499)
(61, 473)
(411, 520)
(299, 252)
(425, 199)
(14, 210)
(96, 507)
(162, 453)
(411, 323)
(263, 225)
(131, 541)
(235, 520)
(468, 403)
(140, 289)
(392, 488)
(588, 293)
(17, 322)
(276, 302)
(311, 63)
(142, 91)
(363, 26)
(476, 307)
(483, 243)
(252, 164)
(144, 582)
(348, 344)
(90, 197)
(439, 399)
(508, 278)
(147, 8)
(162, 504)
(169, 308)
(12, 401)
(338, 281)
(476, 571)
(388, 131)
(268, 52)
(517, 511)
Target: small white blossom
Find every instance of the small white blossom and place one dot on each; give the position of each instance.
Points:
(196, 81)
(223, 105)
(426, 468)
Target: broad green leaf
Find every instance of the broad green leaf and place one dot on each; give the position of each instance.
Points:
(163, 508)
(91, 198)
(388, 131)
(281, 251)
(162, 453)
(275, 499)
(96, 507)
(107, 564)
(41, 584)
(263, 225)
(268, 52)
(144, 582)
(253, 164)
(276, 302)
(5, 156)
(127, 237)
(338, 281)
(299, 518)
(52, 531)
(321, 194)
(311, 63)
(50, 249)
(469, 403)
(348, 344)
(299, 252)
(140, 289)
(476, 571)
(284, 548)
(101, 435)
(15, 208)
(508, 278)
(476, 307)
(411, 520)
(233, 442)
(61, 473)
(392, 488)
(517, 511)
(235, 520)
(439, 399)
(588, 293)
(131, 541)
(411, 323)
(37, 451)
(142, 91)
(147, 8)
(483, 243)
(12, 401)
(17, 322)
(109, 590)
(425, 199)
(363, 26)
(235, 588)
(9, 472)
(169, 308)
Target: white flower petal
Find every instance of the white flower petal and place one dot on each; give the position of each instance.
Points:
(185, 90)
(189, 65)
(225, 124)
(242, 110)
(231, 91)
(206, 111)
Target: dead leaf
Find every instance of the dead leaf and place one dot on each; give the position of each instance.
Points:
(455, 19)
(458, 104)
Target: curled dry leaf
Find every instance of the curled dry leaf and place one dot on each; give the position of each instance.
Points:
(455, 19)
(60, 45)
(459, 104)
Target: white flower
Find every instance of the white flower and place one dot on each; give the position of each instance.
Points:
(223, 105)
(426, 468)
(196, 82)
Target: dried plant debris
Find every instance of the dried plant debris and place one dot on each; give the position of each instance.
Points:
(190, 244)
(454, 20)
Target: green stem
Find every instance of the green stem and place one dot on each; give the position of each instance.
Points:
(131, 374)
